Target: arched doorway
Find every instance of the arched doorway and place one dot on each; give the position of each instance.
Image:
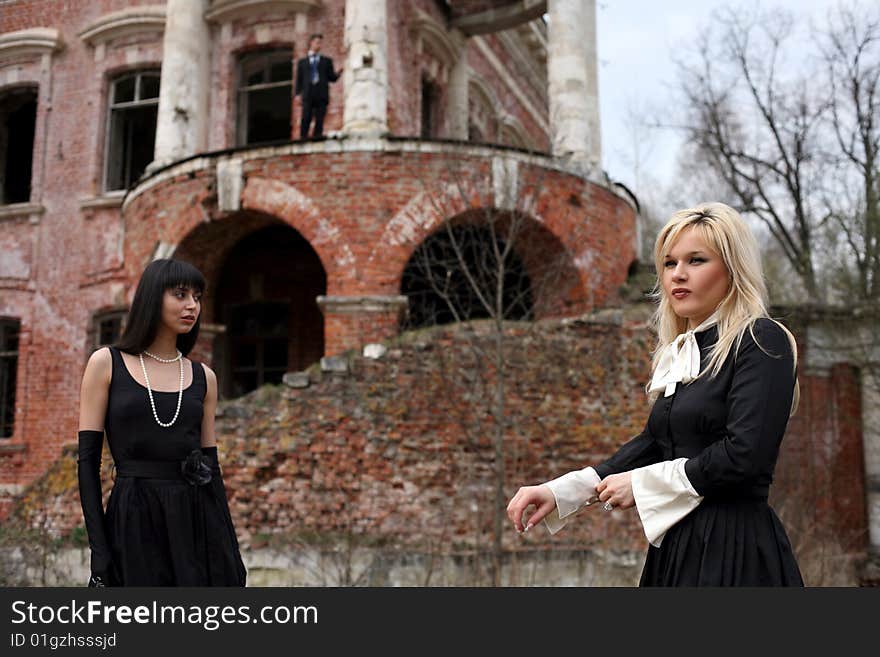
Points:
(266, 298)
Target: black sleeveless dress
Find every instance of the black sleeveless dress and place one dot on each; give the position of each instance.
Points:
(730, 429)
(167, 525)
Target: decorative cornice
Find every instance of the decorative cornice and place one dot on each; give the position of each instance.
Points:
(359, 304)
(532, 61)
(21, 210)
(223, 11)
(107, 200)
(500, 18)
(127, 22)
(32, 41)
(445, 45)
(206, 163)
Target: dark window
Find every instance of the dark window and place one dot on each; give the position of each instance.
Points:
(429, 110)
(265, 90)
(107, 327)
(9, 330)
(134, 106)
(452, 275)
(18, 120)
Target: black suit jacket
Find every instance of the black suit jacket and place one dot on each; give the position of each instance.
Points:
(326, 74)
(729, 427)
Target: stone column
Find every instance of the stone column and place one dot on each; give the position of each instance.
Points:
(353, 321)
(366, 68)
(457, 107)
(182, 125)
(871, 440)
(572, 83)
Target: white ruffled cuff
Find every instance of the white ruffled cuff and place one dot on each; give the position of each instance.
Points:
(573, 491)
(664, 495)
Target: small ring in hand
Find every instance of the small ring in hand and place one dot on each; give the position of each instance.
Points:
(607, 506)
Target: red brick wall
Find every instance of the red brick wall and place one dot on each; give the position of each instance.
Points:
(365, 239)
(395, 450)
(399, 450)
(68, 253)
(508, 101)
(406, 65)
(83, 260)
(823, 460)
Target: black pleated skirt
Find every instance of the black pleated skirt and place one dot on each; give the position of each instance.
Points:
(166, 532)
(724, 543)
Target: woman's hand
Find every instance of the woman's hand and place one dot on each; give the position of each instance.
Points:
(539, 496)
(617, 490)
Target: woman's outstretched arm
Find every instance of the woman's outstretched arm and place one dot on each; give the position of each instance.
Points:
(94, 393)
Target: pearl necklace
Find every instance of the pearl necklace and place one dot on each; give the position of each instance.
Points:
(165, 360)
(150, 392)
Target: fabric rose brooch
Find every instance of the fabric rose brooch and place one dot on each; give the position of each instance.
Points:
(196, 469)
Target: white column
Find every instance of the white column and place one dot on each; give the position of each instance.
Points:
(457, 106)
(181, 128)
(366, 68)
(572, 82)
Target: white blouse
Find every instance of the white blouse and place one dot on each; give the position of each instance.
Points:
(662, 492)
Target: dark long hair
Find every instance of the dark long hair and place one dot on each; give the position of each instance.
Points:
(146, 308)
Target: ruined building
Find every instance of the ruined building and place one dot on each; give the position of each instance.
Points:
(135, 130)
(131, 130)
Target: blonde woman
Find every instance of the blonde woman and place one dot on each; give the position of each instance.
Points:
(723, 385)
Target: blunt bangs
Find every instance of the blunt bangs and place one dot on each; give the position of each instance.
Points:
(181, 274)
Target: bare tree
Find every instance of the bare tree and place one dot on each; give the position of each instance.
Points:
(795, 148)
(851, 54)
(490, 269)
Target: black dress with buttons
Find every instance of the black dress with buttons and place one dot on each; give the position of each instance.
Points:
(729, 428)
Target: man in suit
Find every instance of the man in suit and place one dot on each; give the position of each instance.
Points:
(314, 72)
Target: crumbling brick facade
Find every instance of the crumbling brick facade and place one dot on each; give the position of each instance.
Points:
(345, 216)
(76, 249)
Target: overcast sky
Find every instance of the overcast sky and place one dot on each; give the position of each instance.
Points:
(636, 44)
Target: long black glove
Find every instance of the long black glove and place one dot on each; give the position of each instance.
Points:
(220, 491)
(88, 470)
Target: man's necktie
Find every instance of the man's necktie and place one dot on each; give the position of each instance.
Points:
(314, 65)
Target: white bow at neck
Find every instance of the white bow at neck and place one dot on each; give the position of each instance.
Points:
(680, 360)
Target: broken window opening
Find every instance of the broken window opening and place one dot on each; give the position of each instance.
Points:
(265, 88)
(18, 120)
(134, 108)
(9, 332)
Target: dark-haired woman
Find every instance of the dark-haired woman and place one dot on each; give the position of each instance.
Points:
(167, 521)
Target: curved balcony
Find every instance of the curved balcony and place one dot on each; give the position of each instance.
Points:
(356, 210)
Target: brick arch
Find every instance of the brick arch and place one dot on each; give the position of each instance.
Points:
(555, 281)
(291, 206)
(550, 229)
(210, 246)
(584, 220)
(411, 225)
(207, 245)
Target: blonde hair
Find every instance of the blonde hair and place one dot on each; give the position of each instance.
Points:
(728, 236)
